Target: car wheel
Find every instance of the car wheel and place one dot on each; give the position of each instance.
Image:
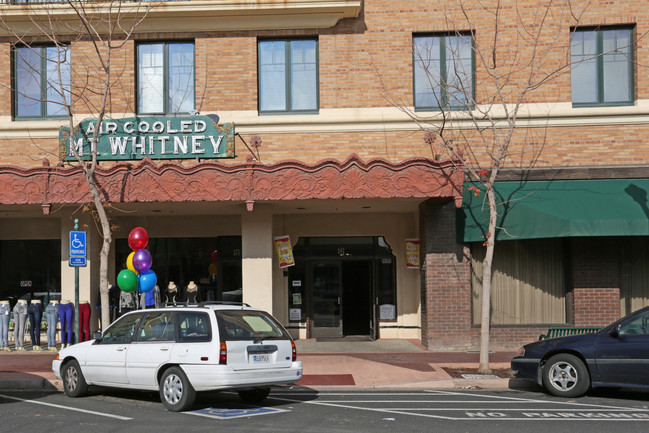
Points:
(176, 393)
(565, 375)
(74, 384)
(254, 395)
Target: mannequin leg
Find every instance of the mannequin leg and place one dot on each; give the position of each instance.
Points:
(70, 323)
(4, 332)
(33, 325)
(51, 328)
(36, 328)
(19, 330)
(84, 322)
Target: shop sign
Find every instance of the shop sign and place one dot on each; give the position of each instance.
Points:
(412, 253)
(153, 137)
(387, 312)
(284, 251)
(295, 314)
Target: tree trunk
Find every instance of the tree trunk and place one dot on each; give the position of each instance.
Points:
(486, 282)
(105, 249)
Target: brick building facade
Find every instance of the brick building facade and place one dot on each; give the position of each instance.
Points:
(349, 178)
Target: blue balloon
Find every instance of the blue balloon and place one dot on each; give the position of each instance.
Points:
(147, 281)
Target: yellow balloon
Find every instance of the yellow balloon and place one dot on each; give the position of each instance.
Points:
(129, 263)
(212, 269)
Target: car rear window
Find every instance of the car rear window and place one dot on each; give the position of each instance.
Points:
(194, 326)
(246, 325)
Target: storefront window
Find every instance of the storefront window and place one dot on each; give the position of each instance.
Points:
(182, 260)
(522, 294)
(30, 269)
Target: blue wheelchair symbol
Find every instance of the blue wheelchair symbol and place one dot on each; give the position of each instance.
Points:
(76, 242)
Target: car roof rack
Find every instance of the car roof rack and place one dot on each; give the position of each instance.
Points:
(205, 303)
(242, 304)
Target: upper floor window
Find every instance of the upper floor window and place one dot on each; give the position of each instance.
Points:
(288, 75)
(443, 71)
(41, 81)
(165, 76)
(602, 66)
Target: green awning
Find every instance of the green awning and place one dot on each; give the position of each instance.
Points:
(566, 208)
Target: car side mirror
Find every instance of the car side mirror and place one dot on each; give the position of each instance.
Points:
(97, 336)
(615, 332)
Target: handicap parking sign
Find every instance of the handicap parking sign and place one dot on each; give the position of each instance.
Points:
(77, 248)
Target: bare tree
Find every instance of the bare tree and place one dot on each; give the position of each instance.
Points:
(78, 41)
(481, 88)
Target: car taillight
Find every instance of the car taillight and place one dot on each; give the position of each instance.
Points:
(223, 353)
(294, 357)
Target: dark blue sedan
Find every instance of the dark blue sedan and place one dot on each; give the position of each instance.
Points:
(617, 356)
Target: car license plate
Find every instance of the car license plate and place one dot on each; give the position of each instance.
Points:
(260, 358)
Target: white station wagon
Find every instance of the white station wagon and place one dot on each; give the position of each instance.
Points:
(182, 350)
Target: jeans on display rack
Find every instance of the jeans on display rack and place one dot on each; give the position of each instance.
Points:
(52, 315)
(20, 317)
(35, 314)
(66, 315)
(4, 326)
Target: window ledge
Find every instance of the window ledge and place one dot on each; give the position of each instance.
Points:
(192, 15)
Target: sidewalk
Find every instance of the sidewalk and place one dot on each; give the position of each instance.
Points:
(382, 364)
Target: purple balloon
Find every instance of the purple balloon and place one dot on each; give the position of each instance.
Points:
(142, 260)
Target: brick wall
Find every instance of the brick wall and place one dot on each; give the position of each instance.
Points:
(596, 281)
(446, 280)
(367, 62)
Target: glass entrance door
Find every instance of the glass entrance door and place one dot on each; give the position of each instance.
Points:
(327, 299)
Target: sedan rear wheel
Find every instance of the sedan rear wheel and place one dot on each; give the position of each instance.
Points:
(565, 375)
(176, 393)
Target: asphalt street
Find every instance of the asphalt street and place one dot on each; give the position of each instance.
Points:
(307, 410)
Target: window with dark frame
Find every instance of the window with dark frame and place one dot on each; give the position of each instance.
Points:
(165, 76)
(288, 76)
(602, 66)
(443, 68)
(42, 81)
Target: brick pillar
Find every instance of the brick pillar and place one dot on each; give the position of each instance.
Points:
(445, 280)
(596, 281)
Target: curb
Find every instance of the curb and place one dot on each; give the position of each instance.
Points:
(48, 384)
(447, 384)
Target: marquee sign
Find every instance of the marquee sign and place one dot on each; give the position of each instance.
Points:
(152, 137)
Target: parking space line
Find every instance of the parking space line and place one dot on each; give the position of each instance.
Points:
(569, 411)
(431, 401)
(344, 393)
(529, 400)
(369, 409)
(66, 407)
(527, 409)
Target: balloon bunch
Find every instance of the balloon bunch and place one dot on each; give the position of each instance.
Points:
(138, 274)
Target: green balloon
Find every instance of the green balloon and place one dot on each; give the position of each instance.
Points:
(127, 280)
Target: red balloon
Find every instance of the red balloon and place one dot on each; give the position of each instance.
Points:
(214, 256)
(138, 238)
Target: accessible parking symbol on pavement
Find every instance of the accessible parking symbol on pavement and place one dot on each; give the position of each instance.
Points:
(235, 412)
